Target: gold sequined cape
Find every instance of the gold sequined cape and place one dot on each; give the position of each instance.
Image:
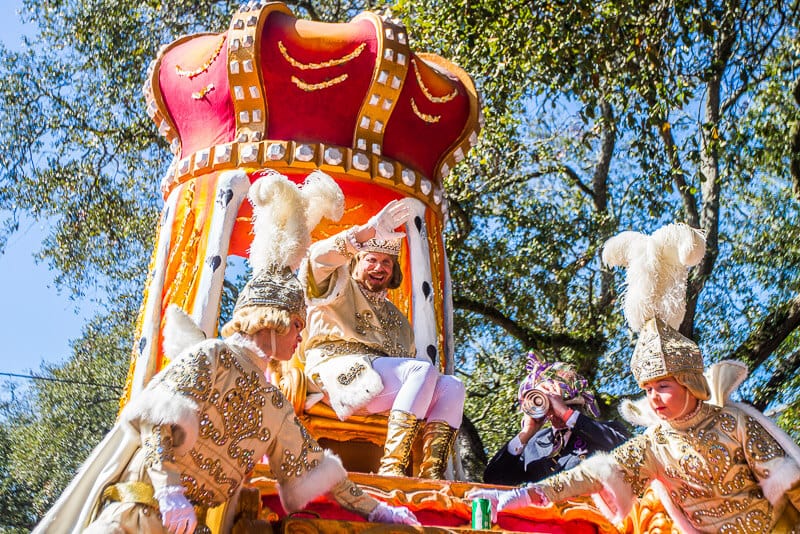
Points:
(720, 471)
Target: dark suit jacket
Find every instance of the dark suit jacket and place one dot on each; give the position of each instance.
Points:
(588, 436)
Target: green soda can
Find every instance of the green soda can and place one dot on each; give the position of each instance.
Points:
(481, 514)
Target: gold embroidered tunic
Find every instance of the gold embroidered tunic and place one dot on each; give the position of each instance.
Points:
(343, 321)
(240, 418)
(716, 467)
(204, 422)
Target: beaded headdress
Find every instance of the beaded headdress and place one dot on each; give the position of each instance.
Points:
(574, 387)
(655, 301)
(283, 217)
(389, 246)
(274, 289)
(663, 351)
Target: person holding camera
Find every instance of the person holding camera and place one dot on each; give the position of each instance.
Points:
(561, 398)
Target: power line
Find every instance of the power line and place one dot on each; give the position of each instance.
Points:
(62, 380)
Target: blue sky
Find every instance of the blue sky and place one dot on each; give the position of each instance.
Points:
(36, 321)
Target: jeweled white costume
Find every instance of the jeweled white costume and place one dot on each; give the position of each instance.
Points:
(724, 469)
(359, 350)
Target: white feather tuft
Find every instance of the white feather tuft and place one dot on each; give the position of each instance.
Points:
(657, 269)
(281, 236)
(323, 198)
(615, 250)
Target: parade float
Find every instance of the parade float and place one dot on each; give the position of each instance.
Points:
(274, 92)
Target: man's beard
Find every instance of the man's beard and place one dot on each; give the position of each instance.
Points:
(374, 285)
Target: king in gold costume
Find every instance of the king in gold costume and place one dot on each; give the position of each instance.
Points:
(359, 347)
(717, 466)
(190, 440)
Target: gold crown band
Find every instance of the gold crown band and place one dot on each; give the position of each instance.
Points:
(290, 156)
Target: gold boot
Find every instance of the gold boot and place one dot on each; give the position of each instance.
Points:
(400, 434)
(438, 439)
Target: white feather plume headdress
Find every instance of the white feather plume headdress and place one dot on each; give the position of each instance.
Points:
(655, 301)
(284, 214)
(657, 270)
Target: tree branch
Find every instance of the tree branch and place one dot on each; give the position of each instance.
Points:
(529, 338)
(794, 148)
(767, 336)
(473, 455)
(787, 369)
(573, 176)
(608, 140)
(689, 202)
(709, 170)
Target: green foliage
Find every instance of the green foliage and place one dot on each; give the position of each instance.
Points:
(608, 116)
(55, 424)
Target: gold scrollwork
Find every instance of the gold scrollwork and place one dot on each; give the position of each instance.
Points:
(204, 67)
(346, 379)
(317, 86)
(325, 64)
(425, 91)
(432, 119)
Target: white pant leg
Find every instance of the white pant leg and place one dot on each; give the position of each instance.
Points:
(447, 403)
(408, 385)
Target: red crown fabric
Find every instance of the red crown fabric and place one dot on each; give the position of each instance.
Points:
(275, 91)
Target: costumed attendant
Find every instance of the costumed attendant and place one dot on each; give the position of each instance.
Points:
(573, 434)
(359, 348)
(717, 466)
(190, 440)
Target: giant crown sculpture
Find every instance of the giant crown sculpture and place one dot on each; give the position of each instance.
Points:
(276, 92)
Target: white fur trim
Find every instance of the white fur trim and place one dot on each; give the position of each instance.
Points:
(231, 189)
(342, 275)
(161, 406)
(147, 343)
(638, 412)
(785, 474)
(180, 332)
(346, 400)
(296, 493)
(616, 498)
(423, 310)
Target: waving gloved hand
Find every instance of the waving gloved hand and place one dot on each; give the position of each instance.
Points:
(177, 513)
(400, 515)
(394, 214)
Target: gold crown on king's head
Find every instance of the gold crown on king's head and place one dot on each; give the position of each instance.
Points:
(662, 351)
(389, 246)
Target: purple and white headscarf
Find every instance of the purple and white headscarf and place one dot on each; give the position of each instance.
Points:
(574, 388)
